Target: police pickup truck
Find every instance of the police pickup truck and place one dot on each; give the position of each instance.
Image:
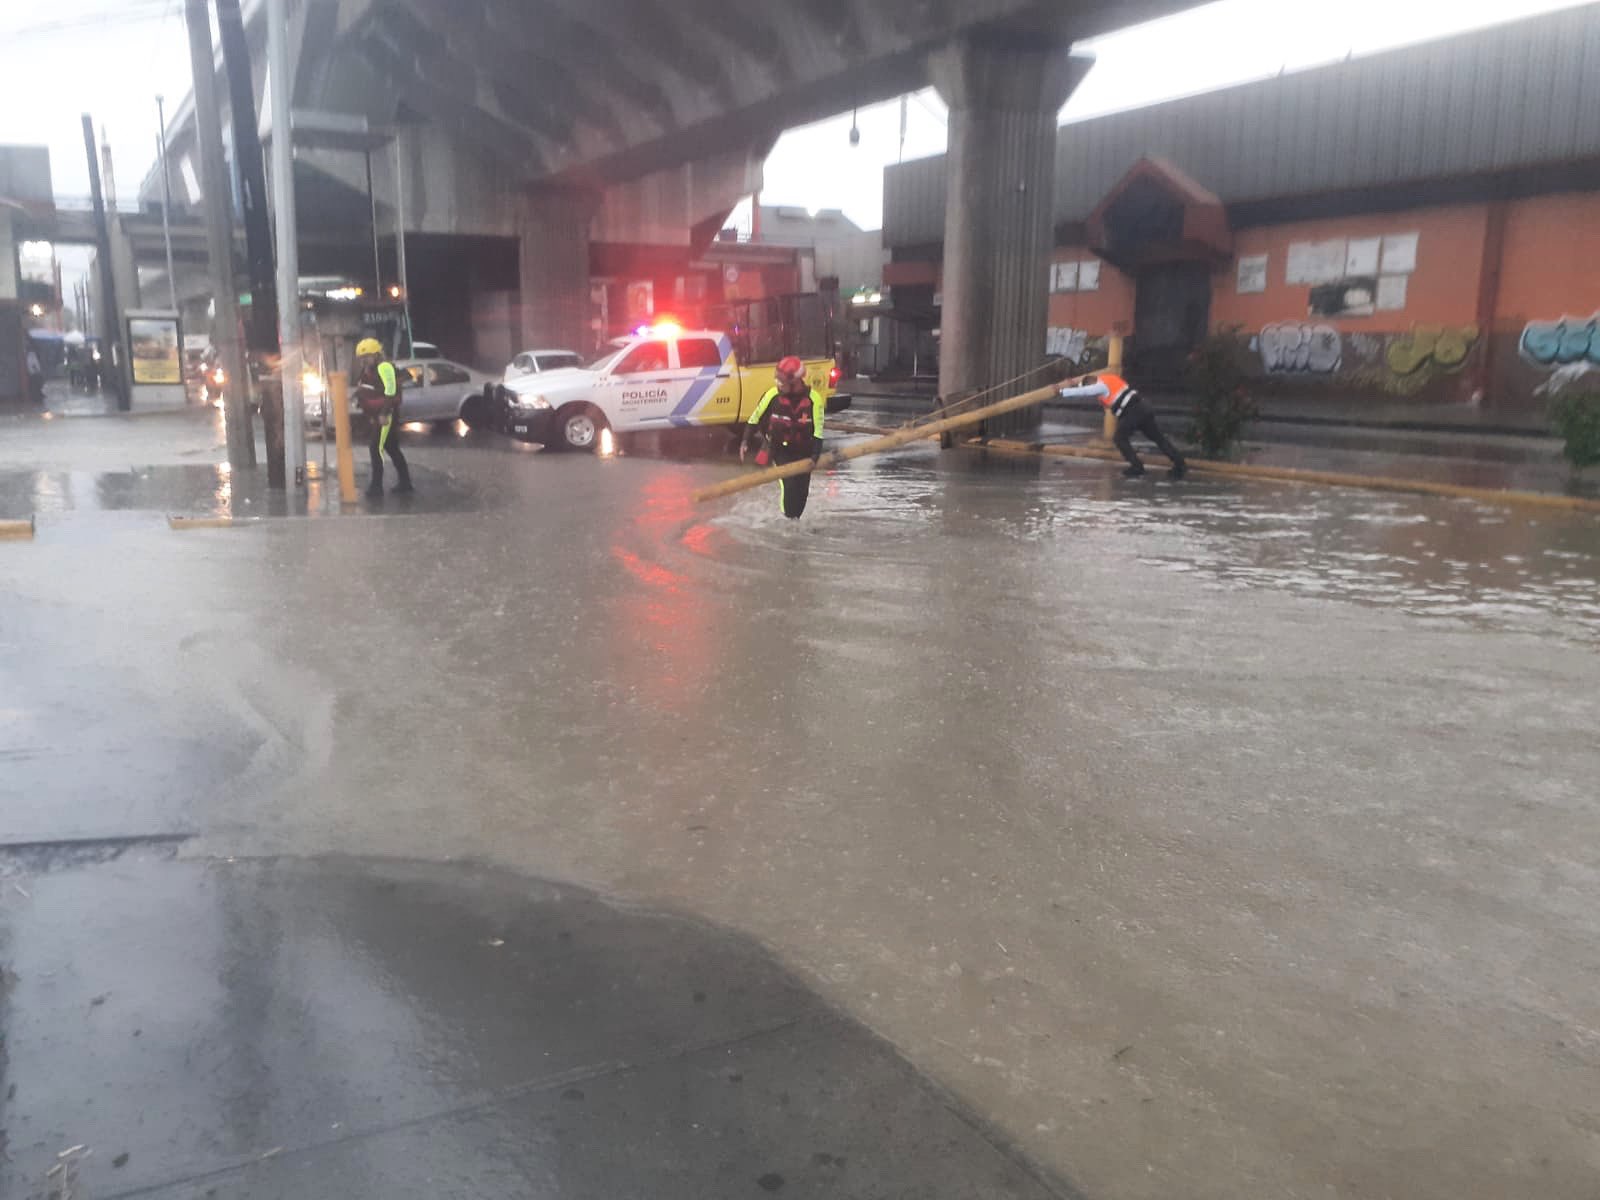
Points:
(660, 377)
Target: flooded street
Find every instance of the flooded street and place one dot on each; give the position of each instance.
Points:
(1211, 840)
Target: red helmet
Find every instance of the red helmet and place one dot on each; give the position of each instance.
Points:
(790, 369)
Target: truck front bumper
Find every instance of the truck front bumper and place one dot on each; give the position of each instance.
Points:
(524, 424)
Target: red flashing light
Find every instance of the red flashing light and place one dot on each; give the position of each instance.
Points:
(833, 374)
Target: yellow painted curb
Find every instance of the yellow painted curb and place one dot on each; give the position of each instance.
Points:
(16, 531)
(201, 522)
(1375, 483)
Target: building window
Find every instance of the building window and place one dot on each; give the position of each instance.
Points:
(1082, 276)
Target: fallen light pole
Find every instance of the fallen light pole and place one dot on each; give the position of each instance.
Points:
(892, 441)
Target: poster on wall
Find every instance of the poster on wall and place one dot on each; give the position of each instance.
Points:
(1400, 254)
(1252, 274)
(641, 300)
(1089, 276)
(1391, 293)
(1317, 262)
(153, 343)
(1362, 256)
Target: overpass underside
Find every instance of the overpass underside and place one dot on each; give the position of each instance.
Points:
(569, 124)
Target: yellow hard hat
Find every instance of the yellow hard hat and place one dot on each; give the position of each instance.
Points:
(368, 346)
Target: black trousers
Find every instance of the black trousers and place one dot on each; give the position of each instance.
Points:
(794, 491)
(1138, 417)
(386, 439)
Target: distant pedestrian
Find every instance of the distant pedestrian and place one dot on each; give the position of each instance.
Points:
(1134, 415)
(378, 394)
(789, 421)
(35, 377)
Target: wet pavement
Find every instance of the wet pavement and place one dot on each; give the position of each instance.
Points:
(1216, 840)
(346, 1028)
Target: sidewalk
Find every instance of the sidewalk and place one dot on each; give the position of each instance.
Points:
(1322, 412)
(274, 1028)
(1479, 456)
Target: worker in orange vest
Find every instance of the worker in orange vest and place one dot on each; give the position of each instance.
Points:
(1133, 415)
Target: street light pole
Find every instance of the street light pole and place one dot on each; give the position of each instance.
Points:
(284, 219)
(214, 194)
(166, 200)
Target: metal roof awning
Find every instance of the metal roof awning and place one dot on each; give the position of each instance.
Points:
(1157, 214)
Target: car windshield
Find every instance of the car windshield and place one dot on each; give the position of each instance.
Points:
(607, 357)
(559, 362)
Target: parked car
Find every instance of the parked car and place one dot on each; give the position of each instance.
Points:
(434, 390)
(539, 362)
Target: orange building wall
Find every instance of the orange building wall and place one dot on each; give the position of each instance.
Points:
(1100, 313)
(1551, 265)
(1442, 291)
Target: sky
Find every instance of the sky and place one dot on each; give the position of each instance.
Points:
(111, 57)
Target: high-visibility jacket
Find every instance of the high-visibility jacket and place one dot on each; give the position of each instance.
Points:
(378, 389)
(1117, 394)
(792, 419)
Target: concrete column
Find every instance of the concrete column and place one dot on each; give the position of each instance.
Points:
(1004, 94)
(554, 228)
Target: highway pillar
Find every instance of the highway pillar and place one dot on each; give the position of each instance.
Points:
(554, 227)
(1004, 93)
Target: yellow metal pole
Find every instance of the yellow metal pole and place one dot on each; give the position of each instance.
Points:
(892, 441)
(339, 401)
(1108, 423)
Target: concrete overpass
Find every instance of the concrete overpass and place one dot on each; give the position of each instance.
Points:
(552, 133)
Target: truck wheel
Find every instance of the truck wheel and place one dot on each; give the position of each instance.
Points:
(475, 411)
(578, 427)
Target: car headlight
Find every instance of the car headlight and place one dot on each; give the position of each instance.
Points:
(526, 403)
(311, 385)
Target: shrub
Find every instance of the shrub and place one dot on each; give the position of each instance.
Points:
(1223, 406)
(1576, 418)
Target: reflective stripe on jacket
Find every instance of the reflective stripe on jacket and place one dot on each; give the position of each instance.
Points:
(1118, 394)
(791, 418)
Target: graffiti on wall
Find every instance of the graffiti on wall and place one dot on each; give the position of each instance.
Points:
(1440, 347)
(1400, 364)
(1300, 348)
(1568, 348)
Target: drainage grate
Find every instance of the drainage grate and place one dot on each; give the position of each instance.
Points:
(32, 858)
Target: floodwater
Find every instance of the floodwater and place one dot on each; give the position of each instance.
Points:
(1212, 840)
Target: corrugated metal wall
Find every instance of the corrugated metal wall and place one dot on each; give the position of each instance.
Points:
(1513, 95)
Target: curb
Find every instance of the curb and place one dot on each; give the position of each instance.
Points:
(1374, 483)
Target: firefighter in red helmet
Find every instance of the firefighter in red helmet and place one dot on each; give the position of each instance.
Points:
(789, 420)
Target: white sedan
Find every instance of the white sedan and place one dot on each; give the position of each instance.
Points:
(541, 362)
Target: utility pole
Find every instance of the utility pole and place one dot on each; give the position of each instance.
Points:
(219, 240)
(288, 236)
(400, 234)
(110, 314)
(261, 327)
(372, 204)
(166, 199)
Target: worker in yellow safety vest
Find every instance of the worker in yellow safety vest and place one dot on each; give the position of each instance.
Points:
(378, 394)
(788, 420)
(1133, 415)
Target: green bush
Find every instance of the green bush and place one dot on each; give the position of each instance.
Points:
(1223, 406)
(1577, 422)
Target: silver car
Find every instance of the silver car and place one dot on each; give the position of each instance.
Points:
(436, 390)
